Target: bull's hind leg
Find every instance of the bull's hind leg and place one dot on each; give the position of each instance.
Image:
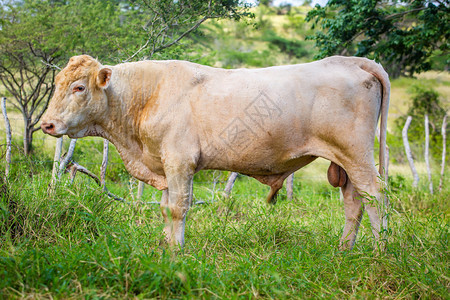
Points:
(353, 214)
(365, 181)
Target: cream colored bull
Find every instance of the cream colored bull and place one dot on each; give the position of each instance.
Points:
(171, 119)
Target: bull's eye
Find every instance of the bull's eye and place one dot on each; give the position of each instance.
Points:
(79, 88)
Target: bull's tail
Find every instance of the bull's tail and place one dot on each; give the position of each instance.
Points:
(378, 71)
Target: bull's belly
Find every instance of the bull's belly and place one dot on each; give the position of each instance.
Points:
(272, 168)
(254, 157)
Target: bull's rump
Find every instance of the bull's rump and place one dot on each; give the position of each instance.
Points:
(262, 121)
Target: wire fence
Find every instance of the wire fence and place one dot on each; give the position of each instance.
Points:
(90, 163)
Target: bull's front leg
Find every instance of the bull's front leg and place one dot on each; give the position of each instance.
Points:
(176, 202)
(164, 206)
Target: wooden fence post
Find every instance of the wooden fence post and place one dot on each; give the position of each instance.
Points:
(104, 163)
(140, 191)
(427, 148)
(67, 158)
(8, 137)
(290, 187)
(56, 159)
(408, 152)
(230, 183)
(444, 151)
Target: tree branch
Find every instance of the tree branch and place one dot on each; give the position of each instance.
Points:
(50, 65)
(400, 14)
(11, 75)
(181, 36)
(167, 25)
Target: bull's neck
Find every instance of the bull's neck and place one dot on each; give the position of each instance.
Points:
(131, 88)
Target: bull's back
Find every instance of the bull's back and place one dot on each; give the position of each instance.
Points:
(244, 117)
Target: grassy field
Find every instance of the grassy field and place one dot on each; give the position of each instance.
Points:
(77, 243)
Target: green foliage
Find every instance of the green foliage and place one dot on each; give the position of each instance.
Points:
(110, 30)
(402, 35)
(425, 100)
(290, 47)
(266, 40)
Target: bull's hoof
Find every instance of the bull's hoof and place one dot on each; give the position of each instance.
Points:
(346, 245)
(163, 242)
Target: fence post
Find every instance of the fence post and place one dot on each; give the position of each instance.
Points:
(140, 191)
(8, 137)
(56, 159)
(290, 187)
(408, 152)
(444, 150)
(427, 159)
(104, 163)
(230, 183)
(67, 158)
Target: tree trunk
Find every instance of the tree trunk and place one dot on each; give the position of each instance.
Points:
(444, 150)
(290, 187)
(230, 183)
(408, 152)
(427, 159)
(27, 137)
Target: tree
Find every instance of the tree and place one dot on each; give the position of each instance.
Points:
(403, 35)
(425, 102)
(265, 2)
(165, 22)
(25, 77)
(36, 36)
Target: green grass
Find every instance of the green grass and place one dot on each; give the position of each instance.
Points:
(77, 243)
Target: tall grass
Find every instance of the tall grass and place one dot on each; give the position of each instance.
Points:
(75, 242)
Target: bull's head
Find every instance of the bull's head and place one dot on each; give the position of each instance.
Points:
(79, 98)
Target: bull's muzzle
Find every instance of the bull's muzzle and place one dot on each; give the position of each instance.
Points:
(54, 127)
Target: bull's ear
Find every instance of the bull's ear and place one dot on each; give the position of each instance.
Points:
(103, 78)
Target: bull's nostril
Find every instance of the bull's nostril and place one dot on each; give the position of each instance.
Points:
(47, 127)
